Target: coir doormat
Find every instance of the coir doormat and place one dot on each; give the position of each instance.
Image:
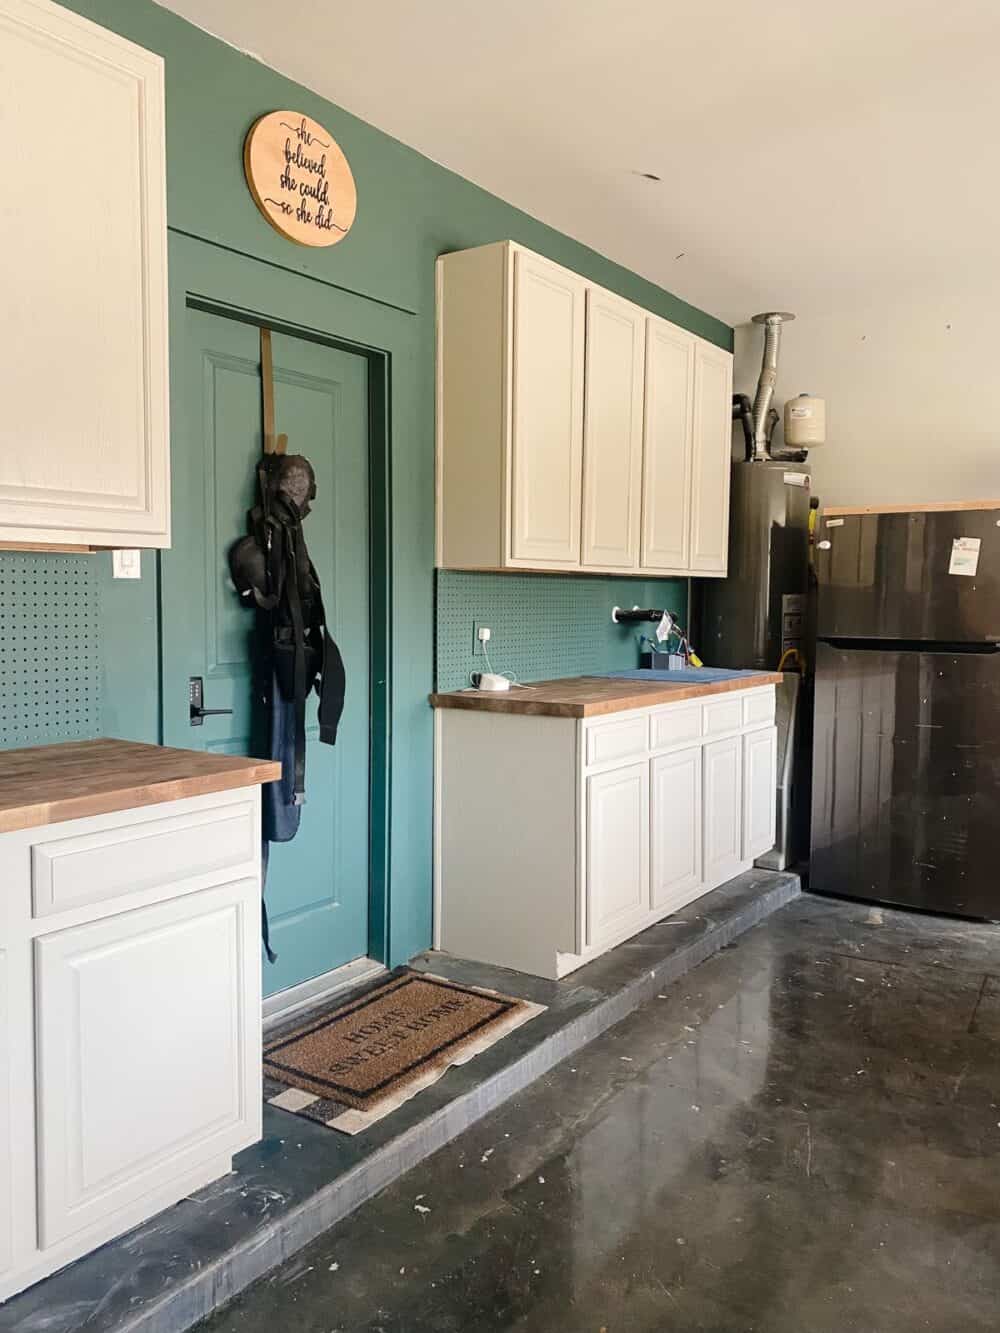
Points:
(351, 1066)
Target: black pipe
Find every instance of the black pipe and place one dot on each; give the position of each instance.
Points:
(637, 617)
(743, 411)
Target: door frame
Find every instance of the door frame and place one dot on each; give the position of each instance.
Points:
(207, 277)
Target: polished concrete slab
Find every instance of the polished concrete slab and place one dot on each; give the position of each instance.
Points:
(802, 1136)
(303, 1178)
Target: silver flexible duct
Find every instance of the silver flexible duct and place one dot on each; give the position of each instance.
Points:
(772, 322)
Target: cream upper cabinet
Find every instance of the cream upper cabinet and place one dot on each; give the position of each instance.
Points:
(575, 432)
(546, 445)
(712, 459)
(83, 370)
(667, 446)
(612, 431)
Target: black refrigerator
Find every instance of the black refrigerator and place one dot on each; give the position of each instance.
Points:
(906, 742)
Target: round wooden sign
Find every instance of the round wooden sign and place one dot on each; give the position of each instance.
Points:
(300, 178)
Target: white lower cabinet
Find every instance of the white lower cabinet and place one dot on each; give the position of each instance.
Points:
(671, 801)
(617, 852)
(723, 826)
(6, 1178)
(760, 762)
(130, 1028)
(111, 1125)
(675, 820)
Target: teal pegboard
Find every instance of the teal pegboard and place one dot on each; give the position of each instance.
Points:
(544, 625)
(50, 665)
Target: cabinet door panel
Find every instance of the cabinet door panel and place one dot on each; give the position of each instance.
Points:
(612, 432)
(666, 467)
(547, 415)
(723, 822)
(148, 1041)
(760, 751)
(676, 827)
(617, 851)
(712, 459)
(6, 1166)
(83, 230)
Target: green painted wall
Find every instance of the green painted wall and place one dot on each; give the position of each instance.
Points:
(410, 210)
(543, 626)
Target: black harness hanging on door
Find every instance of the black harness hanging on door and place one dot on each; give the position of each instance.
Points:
(294, 653)
(273, 573)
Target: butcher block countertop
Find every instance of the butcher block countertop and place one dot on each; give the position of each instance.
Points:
(592, 696)
(50, 783)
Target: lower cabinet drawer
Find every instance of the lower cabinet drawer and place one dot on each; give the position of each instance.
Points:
(608, 741)
(758, 708)
(93, 867)
(148, 1051)
(675, 726)
(722, 715)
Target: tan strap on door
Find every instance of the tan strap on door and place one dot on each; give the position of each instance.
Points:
(267, 389)
(272, 445)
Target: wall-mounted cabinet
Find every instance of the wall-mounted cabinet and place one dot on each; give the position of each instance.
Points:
(575, 431)
(83, 376)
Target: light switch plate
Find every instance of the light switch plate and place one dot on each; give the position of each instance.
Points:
(126, 564)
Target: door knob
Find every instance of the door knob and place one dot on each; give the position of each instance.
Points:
(196, 696)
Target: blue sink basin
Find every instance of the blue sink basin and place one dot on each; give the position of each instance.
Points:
(684, 676)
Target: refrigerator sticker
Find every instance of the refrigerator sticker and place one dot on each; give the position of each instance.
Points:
(796, 478)
(965, 556)
(834, 522)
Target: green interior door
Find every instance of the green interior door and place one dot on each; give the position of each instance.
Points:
(317, 886)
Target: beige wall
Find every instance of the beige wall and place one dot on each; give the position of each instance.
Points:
(912, 397)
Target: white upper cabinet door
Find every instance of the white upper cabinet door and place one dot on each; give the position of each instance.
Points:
(666, 467)
(148, 1052)
(675, 817)
(723, 807)
(617, 852)
(83, 363)
(6, 1164)
(612, 432)
(760, 797)
(547, 414)
(712, 459)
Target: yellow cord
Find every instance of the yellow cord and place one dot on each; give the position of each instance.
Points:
(790, 652)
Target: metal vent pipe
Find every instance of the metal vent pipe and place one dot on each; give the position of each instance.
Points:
(762, 427)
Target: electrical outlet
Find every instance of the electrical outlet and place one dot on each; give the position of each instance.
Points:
(477, 642)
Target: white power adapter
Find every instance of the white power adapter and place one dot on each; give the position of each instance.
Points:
(489, 680)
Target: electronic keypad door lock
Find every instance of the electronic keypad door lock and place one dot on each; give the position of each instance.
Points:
(196, 697)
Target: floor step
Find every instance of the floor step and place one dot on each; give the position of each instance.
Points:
(172, 1272)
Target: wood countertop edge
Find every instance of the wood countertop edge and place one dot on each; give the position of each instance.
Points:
(930, 507)
(58, 811)
(655, 694)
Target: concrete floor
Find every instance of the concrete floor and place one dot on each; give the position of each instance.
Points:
(801, 1136)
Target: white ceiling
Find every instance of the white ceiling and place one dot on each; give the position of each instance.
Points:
(813, 153)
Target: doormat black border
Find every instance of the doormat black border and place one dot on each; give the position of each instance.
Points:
(504, 1005)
